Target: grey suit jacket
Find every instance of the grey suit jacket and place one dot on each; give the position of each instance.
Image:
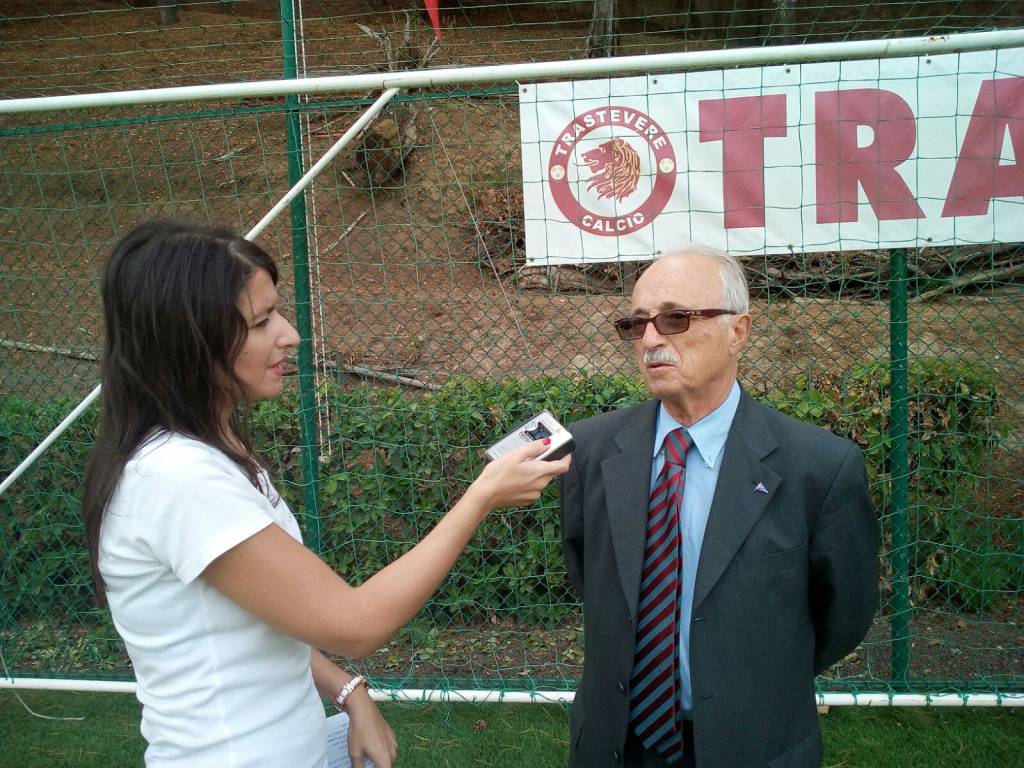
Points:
(786, 582)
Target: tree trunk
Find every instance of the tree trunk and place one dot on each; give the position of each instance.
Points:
(782, 26)
(168, 12)
(601, 37)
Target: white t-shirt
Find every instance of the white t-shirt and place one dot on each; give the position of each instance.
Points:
(218, 687)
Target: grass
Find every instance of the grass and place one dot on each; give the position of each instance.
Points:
(455, 735)
(923, 738)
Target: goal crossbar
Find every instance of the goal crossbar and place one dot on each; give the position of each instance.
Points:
(531, 72)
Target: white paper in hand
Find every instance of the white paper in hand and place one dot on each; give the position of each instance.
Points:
(337, 743)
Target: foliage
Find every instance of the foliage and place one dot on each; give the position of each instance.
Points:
(393, 460)
(958, 550)
(398, 459)
(44, 567)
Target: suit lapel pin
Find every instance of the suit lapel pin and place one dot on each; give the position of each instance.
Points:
(760, 488)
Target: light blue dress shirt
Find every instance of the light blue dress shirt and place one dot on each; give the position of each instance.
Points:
(703, 461)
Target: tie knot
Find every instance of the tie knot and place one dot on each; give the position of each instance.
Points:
(677, 443)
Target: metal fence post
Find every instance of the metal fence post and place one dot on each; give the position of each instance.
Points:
(303, 315)
(900, 465)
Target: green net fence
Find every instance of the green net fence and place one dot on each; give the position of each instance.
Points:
(430, 334)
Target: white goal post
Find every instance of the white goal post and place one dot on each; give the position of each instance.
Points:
(390, 83)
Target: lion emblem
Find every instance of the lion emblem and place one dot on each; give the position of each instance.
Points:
(615, 167)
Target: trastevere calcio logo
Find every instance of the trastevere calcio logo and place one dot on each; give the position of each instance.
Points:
(615, 169)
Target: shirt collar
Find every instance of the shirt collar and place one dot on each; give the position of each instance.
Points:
(707, 435)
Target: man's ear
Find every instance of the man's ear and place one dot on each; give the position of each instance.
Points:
(739, 330)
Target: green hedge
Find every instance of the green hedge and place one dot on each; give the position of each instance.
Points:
(394, 459)
(399, 458)
(44, 568)
(962, 551)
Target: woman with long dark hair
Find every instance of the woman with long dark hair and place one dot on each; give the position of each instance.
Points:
(223, 611)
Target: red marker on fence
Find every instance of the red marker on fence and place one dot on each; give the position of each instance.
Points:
(435, 16)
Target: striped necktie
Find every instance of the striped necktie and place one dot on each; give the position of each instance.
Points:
(654, 686)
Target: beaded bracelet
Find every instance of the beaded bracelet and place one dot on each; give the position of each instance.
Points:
(347, 688)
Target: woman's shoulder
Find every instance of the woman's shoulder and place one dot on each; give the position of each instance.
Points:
(174, 455)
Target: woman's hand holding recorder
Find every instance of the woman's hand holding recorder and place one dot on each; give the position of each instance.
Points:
(516, 478)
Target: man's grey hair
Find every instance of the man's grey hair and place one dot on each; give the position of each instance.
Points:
(735, 294)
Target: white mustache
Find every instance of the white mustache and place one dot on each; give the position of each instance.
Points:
(659, 356)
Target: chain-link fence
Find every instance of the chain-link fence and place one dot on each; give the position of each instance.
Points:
(430, 335)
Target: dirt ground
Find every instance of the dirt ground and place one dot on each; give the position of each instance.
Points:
(406, 287)
(398, 280)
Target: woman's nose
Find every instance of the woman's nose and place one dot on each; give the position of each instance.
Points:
(290, 338)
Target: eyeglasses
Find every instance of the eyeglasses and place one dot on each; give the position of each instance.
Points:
(667, 323)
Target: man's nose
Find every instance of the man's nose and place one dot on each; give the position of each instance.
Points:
(651, 337)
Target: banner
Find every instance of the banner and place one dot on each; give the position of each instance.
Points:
(885, 153)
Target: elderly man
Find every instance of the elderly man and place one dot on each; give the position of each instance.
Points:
(725, 553)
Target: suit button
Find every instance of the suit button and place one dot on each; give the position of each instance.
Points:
(616, 756)
(697, 618)
(629, 619)
(706, 696)
(622, 687)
